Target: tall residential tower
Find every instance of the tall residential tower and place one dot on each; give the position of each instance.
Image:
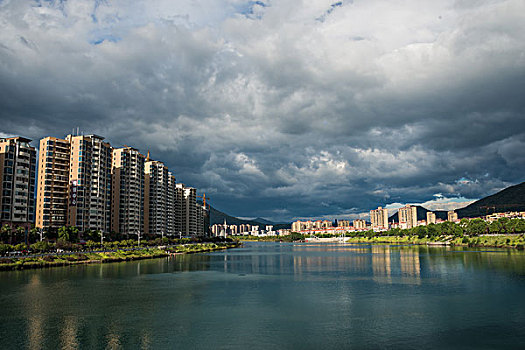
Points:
(17, 177)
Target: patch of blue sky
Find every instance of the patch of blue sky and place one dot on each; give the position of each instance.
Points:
(329, 11)
(107, 37)
(51, 3)
(247, 9)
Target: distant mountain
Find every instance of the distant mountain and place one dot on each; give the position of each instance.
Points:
(510, 199)
(218, 217)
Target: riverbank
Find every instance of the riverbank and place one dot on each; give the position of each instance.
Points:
(492, 241)
(55, 260)
(488, 241)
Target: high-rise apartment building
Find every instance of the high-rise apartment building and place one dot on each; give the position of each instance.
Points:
(343, 223)
(190, 218)
(171, 206)
(186, 217)
(407, 216)
(431, 217)
(297, 226)
(452, 216)
(379, 218)
(155, 197)
(17, 178)
(89, 183)
(203, 220)
(74, 183)
(127, 202)
(53, 183)
(359, 224)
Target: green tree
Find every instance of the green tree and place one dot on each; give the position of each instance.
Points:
(20, 233)
(432, 230)
(505, 223)
(476, 227)
(420, 231)
(520, 226)
(495, 227)
(32, 235)
(43, 246)
(5, 233)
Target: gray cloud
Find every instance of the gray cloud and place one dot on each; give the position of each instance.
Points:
(272, 112)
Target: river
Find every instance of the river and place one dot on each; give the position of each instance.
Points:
(274, 295)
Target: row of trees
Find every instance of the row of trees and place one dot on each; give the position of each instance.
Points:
(474, 227)
(17, 235)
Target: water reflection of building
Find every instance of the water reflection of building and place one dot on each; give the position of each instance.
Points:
(410, 265)
(334, 257)
(381, 264)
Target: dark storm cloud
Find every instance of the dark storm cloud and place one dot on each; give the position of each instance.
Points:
(272, 112)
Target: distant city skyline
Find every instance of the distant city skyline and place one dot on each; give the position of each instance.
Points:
(282, 110)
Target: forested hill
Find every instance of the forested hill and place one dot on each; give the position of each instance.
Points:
(510, 199)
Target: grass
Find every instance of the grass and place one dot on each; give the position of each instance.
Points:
(21, 263)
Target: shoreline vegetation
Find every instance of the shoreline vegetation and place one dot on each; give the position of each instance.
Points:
(45, 260)
(514, 241)
(501, 233)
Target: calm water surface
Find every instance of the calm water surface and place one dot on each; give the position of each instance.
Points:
(271, 295)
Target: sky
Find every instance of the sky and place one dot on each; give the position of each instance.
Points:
(282, 109)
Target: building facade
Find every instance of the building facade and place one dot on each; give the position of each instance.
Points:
(127, 198)
(53, 184)
(171, 205)
(359, 224)
(155, 197)
(452, 216)
(431, 217)
(17, 177)
(90, 163)
(407, 216)
(379, 218)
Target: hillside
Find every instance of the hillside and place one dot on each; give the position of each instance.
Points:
(510, 199)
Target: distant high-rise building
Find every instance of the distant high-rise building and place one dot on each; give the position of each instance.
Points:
(452, 216)
(53, 183)
(431, 217)
(156, 199)
(127, 205)
(379, 218)
(359, 224)
(203, 221)
(343, 223)
(297, 226)
(17, 177)
(407, 216)
(186, 210)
